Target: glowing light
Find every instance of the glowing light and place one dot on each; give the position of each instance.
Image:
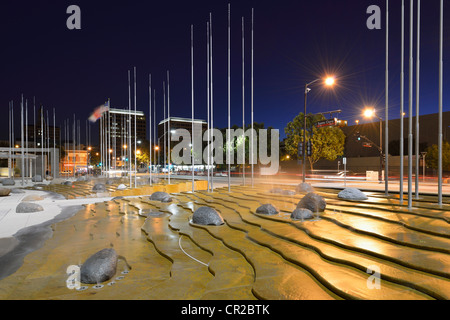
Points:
(329, 81)
(369, 113)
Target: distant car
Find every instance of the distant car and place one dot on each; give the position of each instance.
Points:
(66, 172)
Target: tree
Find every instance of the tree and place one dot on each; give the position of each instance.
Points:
(432, 158)
(327, 142)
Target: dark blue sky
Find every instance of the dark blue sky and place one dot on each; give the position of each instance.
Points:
(296, 42)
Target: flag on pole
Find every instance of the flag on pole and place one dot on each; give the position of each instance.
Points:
(97, 114)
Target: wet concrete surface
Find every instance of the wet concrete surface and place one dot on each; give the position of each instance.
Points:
(251, 256)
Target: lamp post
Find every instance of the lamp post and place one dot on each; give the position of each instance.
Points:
(424, 154)
(370, 113)
(328, 82)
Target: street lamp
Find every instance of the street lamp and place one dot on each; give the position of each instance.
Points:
(370, 113)
(329, 82)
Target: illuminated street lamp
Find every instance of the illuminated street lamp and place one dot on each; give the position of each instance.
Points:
(328, 82)
(370, 113)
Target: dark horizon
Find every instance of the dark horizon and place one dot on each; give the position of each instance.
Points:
(75, 71)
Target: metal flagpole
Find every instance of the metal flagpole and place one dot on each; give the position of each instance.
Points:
(418, 102)
(243, 100)
(154, 121)
(208, 162)
(212, 98)
(441, 79)
(192, 102)
(129, 127)
(54, 145)
(165, 127)
(150, 127)
(168, 124)
(402, 101)
(101, 144)
(10, 142)
(34, 134)
(74, 145)
(42, 142)
(386, 138)
(252, 99)
(410, 134)
(229, 101)
(22, 142)
(135, 130)
(26, 141)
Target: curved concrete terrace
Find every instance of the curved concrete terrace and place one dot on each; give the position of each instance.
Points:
(251, 257)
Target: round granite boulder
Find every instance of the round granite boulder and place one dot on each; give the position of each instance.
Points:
(100, 267)
(67, 183)
(352, 194)
(4, 192)
(161, 196)
(302, 214)
(267, 209)
(207, 216)
(304, 188)
(28, 207)
(99, 187)
(121, 187)
(313, 202)
(8, 182)
(37, 178)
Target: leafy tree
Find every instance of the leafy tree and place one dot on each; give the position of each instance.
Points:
(432, 158)
(327, 142)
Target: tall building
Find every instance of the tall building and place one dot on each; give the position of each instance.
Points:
(200, 126)
(118, 122)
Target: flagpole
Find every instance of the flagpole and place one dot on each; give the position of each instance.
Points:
(135, 130)
(34, 134)
(26, 141)
(21, 137)
(129, 127)
(252, 90)
(229, 101)
(150, 127)
(165, 127)
(212, 98)
(9, 131)
(418, 102)
(402, 100)
(243, 100)
(386, 134)
(192, 102)
(54, 144)
(441, 80)
(208, 105)
(168, 131)
(410, 134)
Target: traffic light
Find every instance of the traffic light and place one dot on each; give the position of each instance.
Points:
(358, 136)
(309, 149)
(300, 150)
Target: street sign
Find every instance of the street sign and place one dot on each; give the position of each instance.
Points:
(326, 123)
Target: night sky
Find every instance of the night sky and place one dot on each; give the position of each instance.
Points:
(296, 41)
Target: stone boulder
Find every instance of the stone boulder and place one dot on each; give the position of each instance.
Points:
(304, 188)
(161, 196)
(8, 182)
(28, 207)
(67, 183)
(207, 216)
(121, 187)
(100, 267)
(302, 214)
(99, 187)
(313, 202)
(37, 178)
(4, 192)
(267, 209)
(352, 194)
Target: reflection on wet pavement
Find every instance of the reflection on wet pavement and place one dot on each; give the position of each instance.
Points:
(251, 256)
